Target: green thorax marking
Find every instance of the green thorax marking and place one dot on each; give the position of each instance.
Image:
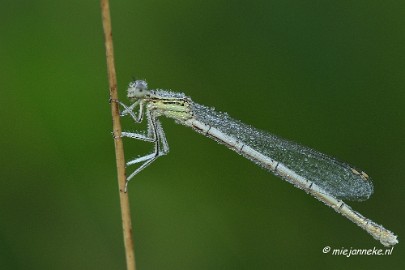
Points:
(176, 108)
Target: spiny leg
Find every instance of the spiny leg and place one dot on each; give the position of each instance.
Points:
(160, 144)
(155, 134)
(137, 136)
(130, 109)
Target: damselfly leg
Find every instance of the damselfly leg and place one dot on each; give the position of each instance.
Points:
(155, 134)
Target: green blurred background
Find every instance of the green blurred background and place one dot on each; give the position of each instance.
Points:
(327, 74)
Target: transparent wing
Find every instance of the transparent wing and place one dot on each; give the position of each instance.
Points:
(337, 178)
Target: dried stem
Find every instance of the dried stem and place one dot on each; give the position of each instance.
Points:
(119, 150)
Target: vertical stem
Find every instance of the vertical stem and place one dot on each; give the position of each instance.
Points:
(119, 150)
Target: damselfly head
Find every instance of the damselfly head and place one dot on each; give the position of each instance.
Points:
(137, 89)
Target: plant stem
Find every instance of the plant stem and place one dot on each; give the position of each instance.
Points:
(119, 149)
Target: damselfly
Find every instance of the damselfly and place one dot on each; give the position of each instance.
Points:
(325, 178)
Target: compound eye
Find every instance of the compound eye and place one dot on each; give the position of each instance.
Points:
(137, 89)
(140, 84)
